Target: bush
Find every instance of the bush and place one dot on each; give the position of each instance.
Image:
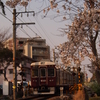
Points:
(1, 91)
(19, 94)
(95, 87)
(94, 98)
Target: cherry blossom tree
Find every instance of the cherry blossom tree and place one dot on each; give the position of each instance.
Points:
(83, 38)
(62, 10)
(82, 34)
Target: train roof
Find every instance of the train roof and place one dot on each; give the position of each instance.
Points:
(43, 63)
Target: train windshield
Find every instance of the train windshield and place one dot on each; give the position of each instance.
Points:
(43, 72)
(34, 72)
(50, 72)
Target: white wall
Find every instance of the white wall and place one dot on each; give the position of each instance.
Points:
(10, 76)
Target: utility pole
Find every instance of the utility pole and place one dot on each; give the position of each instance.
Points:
(14, 56)
(14, 49)
(13, 4)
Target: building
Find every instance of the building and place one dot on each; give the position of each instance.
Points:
(9, 70)
(34, 48)
(37, 49)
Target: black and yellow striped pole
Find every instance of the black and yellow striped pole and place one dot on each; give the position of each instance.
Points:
(74, 75)
(79, 79)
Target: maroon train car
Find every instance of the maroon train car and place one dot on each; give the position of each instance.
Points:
(43, 77)
(47, 79)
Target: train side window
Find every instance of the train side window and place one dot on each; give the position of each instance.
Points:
(50, 72)
(34, 72)
(43, 72)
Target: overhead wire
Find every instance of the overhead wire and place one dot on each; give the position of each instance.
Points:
(44, 31)
(35, 27)
(32, 29)
(28, 26)
(20, 28)
(12, 21)
(38, 31)
(21, 21)
(25, 32)
(5, 17)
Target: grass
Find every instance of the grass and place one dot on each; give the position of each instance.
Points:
(94, 98)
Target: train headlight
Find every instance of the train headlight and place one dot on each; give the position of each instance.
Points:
(34, 80)
(51, 80)
(43, 80)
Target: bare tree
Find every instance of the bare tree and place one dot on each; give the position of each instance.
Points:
(5, 54)
(4, 35)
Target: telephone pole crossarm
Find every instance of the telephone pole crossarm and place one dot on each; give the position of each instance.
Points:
(24, 23)
(26, 12)
(17, 13)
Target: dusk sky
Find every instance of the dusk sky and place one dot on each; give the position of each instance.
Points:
(47, 28)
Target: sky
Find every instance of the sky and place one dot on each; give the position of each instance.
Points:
(46, 28)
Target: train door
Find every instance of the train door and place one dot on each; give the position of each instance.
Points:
(43, 78)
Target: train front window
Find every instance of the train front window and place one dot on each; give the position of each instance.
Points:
(34, 72)
(50, 72)
(43, 72)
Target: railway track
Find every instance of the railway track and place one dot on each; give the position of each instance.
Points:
(52, 97)
(38, 97)
(43, 97)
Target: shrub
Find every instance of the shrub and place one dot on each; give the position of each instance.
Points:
(1, 91)
(95, 87)
(94, 98)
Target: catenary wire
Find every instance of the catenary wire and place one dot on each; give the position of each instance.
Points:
(44, 31)
(22, 21)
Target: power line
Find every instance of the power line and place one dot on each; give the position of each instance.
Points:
(29, 27)
(35, 27)
(11, 22)
(24, 32)
(44, 31)
(5, 17)
(21, 21)
(38, 30)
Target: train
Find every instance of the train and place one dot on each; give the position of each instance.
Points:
(46, 78)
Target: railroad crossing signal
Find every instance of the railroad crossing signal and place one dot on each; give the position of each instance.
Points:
(79, 86)
(79, 78)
